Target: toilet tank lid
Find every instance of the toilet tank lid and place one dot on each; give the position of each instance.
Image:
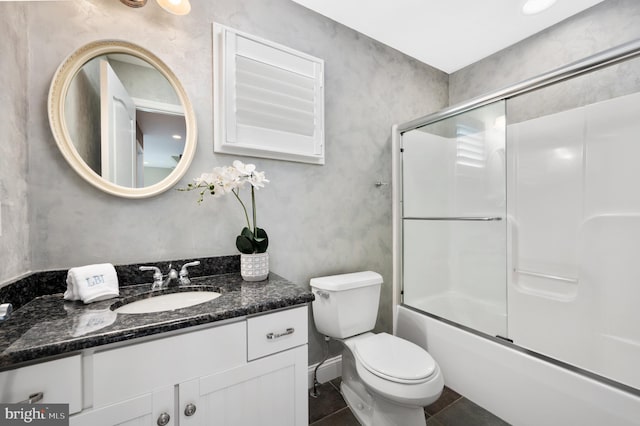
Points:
(347, 281)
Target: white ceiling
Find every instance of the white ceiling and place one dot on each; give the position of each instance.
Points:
(446, 34)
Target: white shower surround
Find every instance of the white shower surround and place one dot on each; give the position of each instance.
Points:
(581, 170)
(578, 169)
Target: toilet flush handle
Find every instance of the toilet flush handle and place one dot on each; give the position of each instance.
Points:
(323, 294)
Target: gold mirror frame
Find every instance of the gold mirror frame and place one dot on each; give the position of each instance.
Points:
(56, 107)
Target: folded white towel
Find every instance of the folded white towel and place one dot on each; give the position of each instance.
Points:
(92, 283)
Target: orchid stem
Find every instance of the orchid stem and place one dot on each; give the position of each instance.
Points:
(246, 215)
(253, 205)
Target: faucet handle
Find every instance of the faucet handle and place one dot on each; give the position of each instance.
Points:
(184, 274)
(157, 275)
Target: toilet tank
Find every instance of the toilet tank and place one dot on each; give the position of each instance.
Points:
(346, 305)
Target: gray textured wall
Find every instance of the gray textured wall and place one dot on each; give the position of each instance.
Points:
(603, 26)
(321, 219)
(14, 229)
(82, 114)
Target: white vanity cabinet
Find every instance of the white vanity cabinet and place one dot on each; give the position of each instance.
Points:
(54, 381)
(252, 371)
(142, 410)
(269, 390)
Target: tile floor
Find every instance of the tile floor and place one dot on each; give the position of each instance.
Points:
(452, 409)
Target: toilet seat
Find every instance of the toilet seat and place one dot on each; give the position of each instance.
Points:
(419, 384)
(395, 359)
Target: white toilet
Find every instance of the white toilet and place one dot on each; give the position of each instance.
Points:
(385, 380)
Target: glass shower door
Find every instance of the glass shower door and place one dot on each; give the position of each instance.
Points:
(454, 219)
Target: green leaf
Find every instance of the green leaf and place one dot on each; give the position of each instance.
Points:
(246, 232)
(261, 240)
(244, 245)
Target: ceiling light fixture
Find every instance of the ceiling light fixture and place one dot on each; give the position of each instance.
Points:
(531, 7)
(134, 3)
(176, 137)
(177, 7)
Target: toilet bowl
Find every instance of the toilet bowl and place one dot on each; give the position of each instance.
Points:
(397, 369)
(385, 380)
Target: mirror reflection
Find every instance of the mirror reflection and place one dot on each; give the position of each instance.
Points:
(125, 120)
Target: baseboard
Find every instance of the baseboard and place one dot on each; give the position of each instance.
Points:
(329, 370)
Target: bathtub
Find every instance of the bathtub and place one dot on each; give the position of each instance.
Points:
(518, 386)
(486, 315)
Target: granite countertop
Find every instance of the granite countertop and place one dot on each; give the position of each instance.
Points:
(49, 326)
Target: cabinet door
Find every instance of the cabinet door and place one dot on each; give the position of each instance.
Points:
(146, 366)
(271, 391)
(59, 381)
(143, 410)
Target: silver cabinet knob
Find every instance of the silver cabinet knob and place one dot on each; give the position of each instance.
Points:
(163, 419)
(190, 410)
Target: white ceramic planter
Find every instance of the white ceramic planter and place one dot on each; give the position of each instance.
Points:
(254, 267)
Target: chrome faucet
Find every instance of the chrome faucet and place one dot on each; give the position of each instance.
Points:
(158, 282)
(184, 274)
(5, 311)
(172, 278)
(157, 276)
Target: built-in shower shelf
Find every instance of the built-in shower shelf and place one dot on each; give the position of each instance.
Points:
(551, 277)
(547, 286)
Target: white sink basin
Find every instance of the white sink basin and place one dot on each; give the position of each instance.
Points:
(167, 302)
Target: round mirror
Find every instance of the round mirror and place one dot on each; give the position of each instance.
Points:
(122, 119)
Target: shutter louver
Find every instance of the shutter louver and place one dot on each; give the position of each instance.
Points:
(273, 100)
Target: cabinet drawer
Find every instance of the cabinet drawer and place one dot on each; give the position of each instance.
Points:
(276, 332)
(132, 370)
(60, 382)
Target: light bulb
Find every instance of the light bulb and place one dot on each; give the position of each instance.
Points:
(177, 7)
(531, 7)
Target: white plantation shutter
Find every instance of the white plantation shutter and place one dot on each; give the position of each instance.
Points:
(269, 99)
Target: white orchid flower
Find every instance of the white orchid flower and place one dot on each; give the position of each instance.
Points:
(225, 180)
(205, 179)
(245, 169)
(257, 179)
(234, 177)
(218, 180)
